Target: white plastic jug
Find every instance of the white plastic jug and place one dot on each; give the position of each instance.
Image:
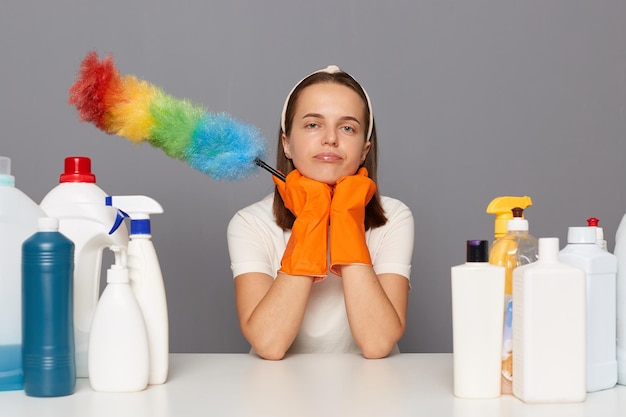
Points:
(78, 203)
(18, 221)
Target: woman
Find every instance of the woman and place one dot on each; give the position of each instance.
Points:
(323, 265)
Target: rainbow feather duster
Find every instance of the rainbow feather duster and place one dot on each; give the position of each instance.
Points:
(214, 144)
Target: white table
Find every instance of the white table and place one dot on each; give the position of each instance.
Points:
(299, 386)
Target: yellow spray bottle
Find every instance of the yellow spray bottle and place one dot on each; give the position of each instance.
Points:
(513, 247)
(501, 207)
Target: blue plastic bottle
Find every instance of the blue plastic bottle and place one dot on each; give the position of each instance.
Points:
(47, 309)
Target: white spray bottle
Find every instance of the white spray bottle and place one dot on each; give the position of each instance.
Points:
(145, 277)
(77, 202)
(119, 356)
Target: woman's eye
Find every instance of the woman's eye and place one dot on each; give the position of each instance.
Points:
(311, 125)
(348, 129)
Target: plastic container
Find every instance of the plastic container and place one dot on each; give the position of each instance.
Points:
(549, 329)
(594, 222)
(518, 247)
(477, 299)
(118, 341)
(78, 203)
(47, 298)
(18, 221)
(620, 254)
(146, 278)
(600, 269)
(502, 208)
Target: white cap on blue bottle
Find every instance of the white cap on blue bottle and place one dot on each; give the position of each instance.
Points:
(48, 224)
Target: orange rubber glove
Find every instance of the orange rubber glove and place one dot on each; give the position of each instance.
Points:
(347, 221)
(309, 201)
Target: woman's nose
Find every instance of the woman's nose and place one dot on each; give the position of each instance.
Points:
(330, 137)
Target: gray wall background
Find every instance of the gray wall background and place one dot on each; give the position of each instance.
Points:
(472, 99)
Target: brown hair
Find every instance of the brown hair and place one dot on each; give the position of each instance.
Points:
(374, 212)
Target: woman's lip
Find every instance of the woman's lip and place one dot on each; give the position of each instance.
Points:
(328, 156)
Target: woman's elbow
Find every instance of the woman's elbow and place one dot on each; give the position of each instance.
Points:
(270, 354)
(379, 347)
(269, 348)
(376, 350)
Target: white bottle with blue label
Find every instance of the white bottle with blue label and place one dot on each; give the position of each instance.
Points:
(146, 278)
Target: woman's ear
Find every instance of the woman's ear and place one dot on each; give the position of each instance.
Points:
(365, 151)
(285, 143)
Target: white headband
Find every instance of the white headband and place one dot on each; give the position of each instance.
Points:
(331, 69)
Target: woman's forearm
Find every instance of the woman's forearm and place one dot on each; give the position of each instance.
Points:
(376, 308)
(271, 311)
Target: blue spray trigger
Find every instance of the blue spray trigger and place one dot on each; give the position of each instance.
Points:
(118, 220)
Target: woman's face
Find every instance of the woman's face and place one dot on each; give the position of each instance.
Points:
(327, 138)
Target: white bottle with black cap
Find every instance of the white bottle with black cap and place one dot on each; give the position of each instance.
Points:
(600, 269)
(477, 320)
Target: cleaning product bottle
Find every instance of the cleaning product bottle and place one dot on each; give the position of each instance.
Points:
(146, 279)
(517, 247)
(620, 254)
(477, 298)
(600, 269)
(594, 222)
(119, 356)
(77, 203)
(18, 221)
(549, 329)
(501, 207)
(47, 298)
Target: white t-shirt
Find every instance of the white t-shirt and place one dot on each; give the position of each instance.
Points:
(256, 244)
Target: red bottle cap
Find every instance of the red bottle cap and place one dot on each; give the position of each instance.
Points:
(77, 169)
(592, 222)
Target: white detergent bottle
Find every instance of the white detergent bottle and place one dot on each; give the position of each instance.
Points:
(146, 278)
(594, 222)
(620, 253)
(19, 216)
(77, 202)
(119, 356)
(549, 329)
(477, 319)
(600, 269)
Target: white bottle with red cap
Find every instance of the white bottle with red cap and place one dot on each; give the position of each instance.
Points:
(78, 203)
(600, 268)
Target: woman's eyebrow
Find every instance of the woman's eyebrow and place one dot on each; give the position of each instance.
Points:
(320, 116)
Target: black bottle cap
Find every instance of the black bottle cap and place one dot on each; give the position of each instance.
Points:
(477, 251)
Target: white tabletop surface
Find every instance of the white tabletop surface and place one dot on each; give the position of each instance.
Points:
(407, 384)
